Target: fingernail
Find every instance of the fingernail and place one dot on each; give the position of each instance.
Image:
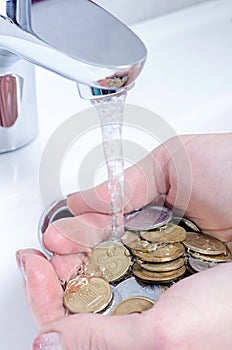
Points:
(48, 341)
(71, 194)
(20, 258)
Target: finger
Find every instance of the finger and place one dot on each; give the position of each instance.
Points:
(196, 310)
(172, 323)
(143, 182)
(77, 234)
(67, 266)
(19, 260)
(43, 290)
(97, 332)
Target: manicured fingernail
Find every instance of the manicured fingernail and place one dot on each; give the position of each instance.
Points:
(48, 341)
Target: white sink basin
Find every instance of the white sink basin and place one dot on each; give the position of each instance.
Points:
(187, 80)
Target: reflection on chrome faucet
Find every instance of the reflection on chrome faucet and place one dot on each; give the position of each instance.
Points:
(74, 38)
(8, 100)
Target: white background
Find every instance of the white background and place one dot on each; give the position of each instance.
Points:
(187, 80)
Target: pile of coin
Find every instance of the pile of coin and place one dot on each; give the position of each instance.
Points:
(204, 251)
(128, 276)
(155, 245)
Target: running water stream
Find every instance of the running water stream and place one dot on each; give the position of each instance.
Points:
(110, 110)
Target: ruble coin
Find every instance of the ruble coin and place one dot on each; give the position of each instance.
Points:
(161, 277)
(133, 305)
(147, 218)
(116, 299)
(162, 267)
(199, 265)
(130, 237)
(131, 287)
(204, 244)
(220, 258)
(87, 294)
(132, 240)
(111, 261)
(163, 253)
(169, 233)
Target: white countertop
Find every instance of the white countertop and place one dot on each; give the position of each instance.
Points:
(187, 80)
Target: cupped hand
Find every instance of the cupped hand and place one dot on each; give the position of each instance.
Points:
(195, 313)
(191, 173)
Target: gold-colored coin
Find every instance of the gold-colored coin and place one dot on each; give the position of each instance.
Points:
(111, 261)
(204, 244)
(87, 294)
(162, 267)
(116, 81)
(149, 276)
(133, 305)
(220, 258)
(164, 252)
(132, 240)
(169, 233)
(129, 237)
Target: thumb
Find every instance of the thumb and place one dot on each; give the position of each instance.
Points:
(143, 182)
(90, 331)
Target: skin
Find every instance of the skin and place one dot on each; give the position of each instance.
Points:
(191, 173)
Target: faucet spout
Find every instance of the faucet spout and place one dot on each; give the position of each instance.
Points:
(76, 39)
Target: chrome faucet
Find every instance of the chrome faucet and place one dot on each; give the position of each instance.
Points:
(76, 39)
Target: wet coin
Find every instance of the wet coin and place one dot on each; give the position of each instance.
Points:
(132, 240)
(169, 233)
(187, 224)
(200, 265)
(133, 305)
(131, 287)
(130, 237)
(157, 276)
(87, 294)
(147, 218)
(220, 258)
(116, 299)
(204, 244)
(164, 252)
(190, 271)
(162, 267)
(111, 261)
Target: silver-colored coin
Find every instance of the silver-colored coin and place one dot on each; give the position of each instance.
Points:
(199, 265)
(147, 218)
(131, 287)
(186, 224)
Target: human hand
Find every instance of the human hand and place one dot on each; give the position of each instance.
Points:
(194, 313)
(175, 322)
(191, 174)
